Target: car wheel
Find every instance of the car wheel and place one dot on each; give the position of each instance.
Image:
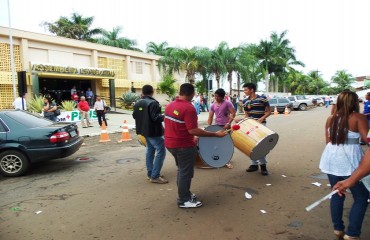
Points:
(13, 163)
(321, 104)
(302, 107)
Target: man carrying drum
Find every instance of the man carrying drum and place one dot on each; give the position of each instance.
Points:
(258, 108)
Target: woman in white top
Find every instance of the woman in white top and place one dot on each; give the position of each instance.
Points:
(341, 157)
(99, 107)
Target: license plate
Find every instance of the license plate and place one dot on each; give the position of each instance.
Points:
(73, 133)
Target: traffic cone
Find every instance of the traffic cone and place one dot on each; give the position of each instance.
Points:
(286, 112)
(104, 134)
(276, 112)
(125, 133)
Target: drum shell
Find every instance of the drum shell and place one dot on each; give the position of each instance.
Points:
(254, 139)
(214, 151)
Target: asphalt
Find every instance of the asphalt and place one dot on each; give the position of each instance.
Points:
(115, 120)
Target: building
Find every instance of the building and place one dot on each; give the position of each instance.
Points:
(58, 64)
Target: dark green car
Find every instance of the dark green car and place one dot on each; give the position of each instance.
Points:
(26, 138)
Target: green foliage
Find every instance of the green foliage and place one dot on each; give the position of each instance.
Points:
(167, 86)
(68, 105)
(36, 104)
(128, 99)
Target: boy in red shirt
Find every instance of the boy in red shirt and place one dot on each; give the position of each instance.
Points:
(181, 125)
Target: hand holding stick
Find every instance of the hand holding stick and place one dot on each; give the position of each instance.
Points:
(317, 203)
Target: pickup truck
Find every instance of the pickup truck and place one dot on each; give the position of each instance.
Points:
(300, 102)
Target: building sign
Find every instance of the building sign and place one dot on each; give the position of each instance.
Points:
(74, 116)
(101, 72)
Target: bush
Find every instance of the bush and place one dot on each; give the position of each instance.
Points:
(128, 99)
(68, 105)
(36, 104)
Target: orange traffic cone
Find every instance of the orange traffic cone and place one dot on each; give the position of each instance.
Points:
(276, 112)
(286, 112)
(104, 134)
(125, 133)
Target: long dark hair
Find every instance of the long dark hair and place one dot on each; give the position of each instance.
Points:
(347, 103)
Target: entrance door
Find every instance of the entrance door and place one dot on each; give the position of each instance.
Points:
(60, 89)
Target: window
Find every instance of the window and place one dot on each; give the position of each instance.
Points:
(273, 101)
(28, 119)
(139, 68)
(283, 100)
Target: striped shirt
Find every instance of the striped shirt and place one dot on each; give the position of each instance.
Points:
(256, 107)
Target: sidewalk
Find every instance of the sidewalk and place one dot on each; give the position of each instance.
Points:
(115, 122)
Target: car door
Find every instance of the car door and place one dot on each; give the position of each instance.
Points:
(3, 132)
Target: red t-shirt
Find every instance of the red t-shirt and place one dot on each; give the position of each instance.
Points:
(180, 116)
(84, 106)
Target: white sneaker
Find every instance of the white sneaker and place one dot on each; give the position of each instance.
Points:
(192, 203)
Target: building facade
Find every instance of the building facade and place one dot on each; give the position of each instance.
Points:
(56, 64)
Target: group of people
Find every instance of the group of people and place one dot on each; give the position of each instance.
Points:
(181, 129)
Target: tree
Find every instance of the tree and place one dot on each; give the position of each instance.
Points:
(217, 65)
(157, 49)
(111, 38)
(343, 79)
(167, 86)
(76, 27)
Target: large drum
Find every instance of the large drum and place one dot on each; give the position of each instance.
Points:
(213, 151)
(254, 139)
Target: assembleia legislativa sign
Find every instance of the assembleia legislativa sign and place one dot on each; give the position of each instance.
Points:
(102, 72)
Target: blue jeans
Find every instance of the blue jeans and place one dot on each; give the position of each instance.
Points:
(185, 160)
(358, 209)
(154, 164)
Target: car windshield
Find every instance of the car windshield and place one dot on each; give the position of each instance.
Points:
(28, 119)
(272, 101)
(291, 98)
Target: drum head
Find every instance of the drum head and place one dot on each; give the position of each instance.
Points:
(264, 146)
(215, 151)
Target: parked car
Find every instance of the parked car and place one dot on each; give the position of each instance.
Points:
(280, 104)
(26, 138)
(300, 102)
(318, 101)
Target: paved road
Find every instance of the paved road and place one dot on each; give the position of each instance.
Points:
(101, 192)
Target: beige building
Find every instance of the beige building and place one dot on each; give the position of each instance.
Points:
(58, 64)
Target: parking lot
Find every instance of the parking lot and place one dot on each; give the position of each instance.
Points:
(101, 192)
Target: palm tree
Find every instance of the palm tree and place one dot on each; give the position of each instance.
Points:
(343, 79)
(76, 27)
(157, 49)
(231, 64)
(217, 65)
(112, 39)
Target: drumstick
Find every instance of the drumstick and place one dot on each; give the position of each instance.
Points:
(234, 128)
(315, 204)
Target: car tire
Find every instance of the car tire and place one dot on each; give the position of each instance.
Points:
(302, 107)
(321, 104)
(13, 163)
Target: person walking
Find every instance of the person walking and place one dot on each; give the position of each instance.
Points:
(181, 126)
(258, 108)
(341, 157)
(99, 108)
(49, 109)
(83, 107)
(224, 112)
(205, 103)
(148, 120)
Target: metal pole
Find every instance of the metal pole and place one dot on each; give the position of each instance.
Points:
(11, 52)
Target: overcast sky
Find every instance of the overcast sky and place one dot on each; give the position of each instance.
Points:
(328, 35)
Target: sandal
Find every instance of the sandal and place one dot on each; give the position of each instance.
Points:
(229, 165)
